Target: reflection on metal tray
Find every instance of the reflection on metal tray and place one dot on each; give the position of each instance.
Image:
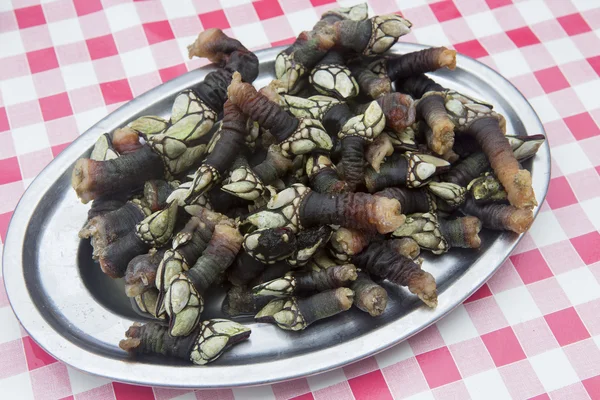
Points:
(79, 315)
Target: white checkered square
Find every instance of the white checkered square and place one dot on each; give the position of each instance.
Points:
(553, 369)
(511, 63)
(571, 158)
(592, 210)
(252, 35)
(302, 20)
(79, 75)
(17, 90)
(17, 387)
(544, 108)
(580, 285)
(87, 119)
(483, 24)
(30, 138)
(138, 62)
(487, 386)
(180, 8)
(122, 16)
(81, 382)
(534, 11)
(400, 352)
(65, 32)
(432, 35)
(563, 50)
(546, 230)
(11, 44)
(11, 329)
(517, 305)
(457, 326)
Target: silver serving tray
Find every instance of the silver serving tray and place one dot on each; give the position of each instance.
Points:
(78, 315)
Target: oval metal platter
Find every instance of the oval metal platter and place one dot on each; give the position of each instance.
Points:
(78, 314)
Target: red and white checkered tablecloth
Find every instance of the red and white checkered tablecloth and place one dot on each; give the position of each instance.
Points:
(532, 331)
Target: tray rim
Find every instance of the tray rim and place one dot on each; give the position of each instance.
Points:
(275, 371)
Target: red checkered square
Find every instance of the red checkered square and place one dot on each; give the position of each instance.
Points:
(4, 125)
(584, 356)
(574, 24)
(286, 390)
(100, 47)
(317, 3)
(50, 382)
(481, 293)
(214, 19)
(405, 377)
(582, 126)
(560, 193)
(370, 386)
(220, 394)
(548, 295)
(588, 247)
(340, 391)
(521, 380)
(157, 32)
(551, 79)
(361, 367)
(438, 367)
(531, 266)
(592, 386)
(33, 163)
(24, 114)
(36, 356)
(589, 315)
(471, 357)
(498, 3)
(12, 361)
(10, 170)
(4, 221)
(426, 340)
(56, 106)
(567, 326)
(166, 74)
(523, 37)
(267, 9)
(486, 315)
(42, 60)
(84, 7)
(505, 278)
(561, 257)
(452, 391)
(116, 91)
(503, 346)
(445, 10)
(132, 392)
(472, 48)
(30, 16)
